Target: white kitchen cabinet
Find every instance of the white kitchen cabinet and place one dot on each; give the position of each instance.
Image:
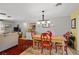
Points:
(7, 41)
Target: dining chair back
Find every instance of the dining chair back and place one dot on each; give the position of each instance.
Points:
(50, 33)
(46, 41)
(60, 45)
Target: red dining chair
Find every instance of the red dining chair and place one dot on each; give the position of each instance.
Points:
(60, 46)
(46, 42)
(67, 36)
(50, 33)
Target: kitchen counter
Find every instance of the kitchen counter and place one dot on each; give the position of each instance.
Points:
(8, 40)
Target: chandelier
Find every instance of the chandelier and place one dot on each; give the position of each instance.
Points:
(43, 21)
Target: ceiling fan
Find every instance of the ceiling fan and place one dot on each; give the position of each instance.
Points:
(58, 4)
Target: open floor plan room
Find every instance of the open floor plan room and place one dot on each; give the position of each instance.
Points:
(39, 28)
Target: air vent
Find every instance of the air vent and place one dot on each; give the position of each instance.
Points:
(9, 16)
(3, 13)
(58, 4)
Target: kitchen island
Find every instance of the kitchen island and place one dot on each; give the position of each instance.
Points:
(8, 40)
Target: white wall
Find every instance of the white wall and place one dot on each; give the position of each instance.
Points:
(22, 27)
(60, 25)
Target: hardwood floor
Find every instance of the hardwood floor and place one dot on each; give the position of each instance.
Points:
(74, 51)
(23, 45)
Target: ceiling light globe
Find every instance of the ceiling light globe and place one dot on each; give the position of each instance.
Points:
(38, 22)
(43, 22)
(48, 22)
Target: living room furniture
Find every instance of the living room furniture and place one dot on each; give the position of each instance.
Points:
(70, 39)
(46, 42)
(60, 45)
(22, 42)
(55, 39)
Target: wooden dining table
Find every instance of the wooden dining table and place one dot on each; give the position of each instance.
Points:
(55, 39)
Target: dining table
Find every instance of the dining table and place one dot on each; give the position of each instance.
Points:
(55, 39)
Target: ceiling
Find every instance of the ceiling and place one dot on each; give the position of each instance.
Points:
(32, 11)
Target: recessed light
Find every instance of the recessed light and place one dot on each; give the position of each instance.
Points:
(25, 24)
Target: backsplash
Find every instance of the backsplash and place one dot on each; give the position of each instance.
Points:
(6, 27)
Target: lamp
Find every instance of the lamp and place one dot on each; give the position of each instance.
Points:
(43, 21)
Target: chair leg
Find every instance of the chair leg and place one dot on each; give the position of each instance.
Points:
(41, 50)
(35, 43)
(38, 45)
(50, 50)
(66, 50)
(56, 48)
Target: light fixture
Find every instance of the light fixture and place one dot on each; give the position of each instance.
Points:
(43, 21)
(38, 22)
(48, 21)
(58, 4)
(25, 24)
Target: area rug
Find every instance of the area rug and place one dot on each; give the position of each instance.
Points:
(36, 51)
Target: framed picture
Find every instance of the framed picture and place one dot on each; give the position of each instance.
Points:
(73, 23)
(45, 25)
(31, 27)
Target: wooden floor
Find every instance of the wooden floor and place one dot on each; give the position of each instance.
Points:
(24, 45)
(74, 51)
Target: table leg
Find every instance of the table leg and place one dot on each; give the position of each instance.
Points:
(33, 43)
(63, 48)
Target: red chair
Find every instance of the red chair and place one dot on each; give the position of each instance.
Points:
(46, 42)
(59, 45)
(50, 33)
(67, 35)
